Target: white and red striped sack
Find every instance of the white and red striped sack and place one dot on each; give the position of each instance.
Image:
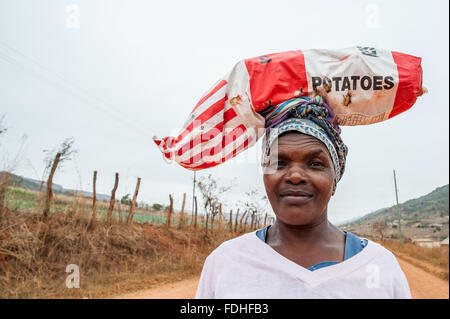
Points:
(362, 85)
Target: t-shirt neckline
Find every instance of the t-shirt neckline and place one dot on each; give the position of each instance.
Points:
(313, 278)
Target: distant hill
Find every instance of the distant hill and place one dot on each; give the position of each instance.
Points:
(426, 216)
(33, 184)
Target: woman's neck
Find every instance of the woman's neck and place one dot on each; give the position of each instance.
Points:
(318, 233)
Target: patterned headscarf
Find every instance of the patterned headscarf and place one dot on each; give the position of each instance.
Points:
(311, 116)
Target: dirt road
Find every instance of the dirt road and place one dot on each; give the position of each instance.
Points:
(184, 289)
(423, 285)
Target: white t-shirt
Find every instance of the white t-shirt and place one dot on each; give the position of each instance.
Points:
(248, 268)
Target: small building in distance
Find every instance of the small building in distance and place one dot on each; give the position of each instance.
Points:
(426, 242)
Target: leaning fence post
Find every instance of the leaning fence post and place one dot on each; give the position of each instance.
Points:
(182, 211)
(240, 221)
(220, 218)
(195, 219)
(49, 195)
(245, 223)
(169, 214)
(94, 199)
(133, 203)
(236, 221)
(4, 179)
(112, 201)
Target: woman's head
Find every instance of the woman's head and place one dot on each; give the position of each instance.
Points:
(301, 179)
(303, 159)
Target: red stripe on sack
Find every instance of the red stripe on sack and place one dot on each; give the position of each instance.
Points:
(198, 139)
(168, 155)
(241, 147)
(209, 135)
(276, 78)
(167, 142)
(202, 118)
(214, 150)
(229, 115)
(220, 85)
(409, 82)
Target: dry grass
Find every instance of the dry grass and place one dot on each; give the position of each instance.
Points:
(435, 260)
(113, 259)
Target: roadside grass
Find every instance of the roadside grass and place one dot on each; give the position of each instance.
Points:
(113, 259)
(424, 257)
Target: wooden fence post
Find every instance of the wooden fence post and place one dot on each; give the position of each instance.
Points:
(265, 220)
(206, 224)
(195, 208)
(4, 179)
(112, 201)
(240, 221)
(220, 218)
(236, 221)
(133, 203)
(169, 214)
(94, 200)
(182, 211)
(231, 220)
(245, 223)
(49, 195)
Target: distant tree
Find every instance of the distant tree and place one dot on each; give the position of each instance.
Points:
(211, 192)
(157, 207)
(126, 200)
(255, 207)
(380, 226)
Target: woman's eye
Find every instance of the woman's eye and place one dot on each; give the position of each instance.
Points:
(278, 164)
(317, 164)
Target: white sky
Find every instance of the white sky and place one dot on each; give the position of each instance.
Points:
(134, 69)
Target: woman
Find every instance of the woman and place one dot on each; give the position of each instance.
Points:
(302, 255)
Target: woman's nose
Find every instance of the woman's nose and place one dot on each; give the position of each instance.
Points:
(296, 175)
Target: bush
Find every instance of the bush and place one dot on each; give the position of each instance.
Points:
(157, 207)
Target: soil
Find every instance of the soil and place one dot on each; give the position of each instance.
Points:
(184, 289)
(423, 284)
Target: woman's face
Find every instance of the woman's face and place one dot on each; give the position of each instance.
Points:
(300, 181)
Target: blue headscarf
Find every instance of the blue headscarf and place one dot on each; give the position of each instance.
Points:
(311, 116)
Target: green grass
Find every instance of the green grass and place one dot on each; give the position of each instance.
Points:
(27, 201)
(20, 199)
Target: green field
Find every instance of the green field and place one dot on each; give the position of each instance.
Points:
(23, 200)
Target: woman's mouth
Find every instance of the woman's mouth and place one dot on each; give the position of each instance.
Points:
(295, 197)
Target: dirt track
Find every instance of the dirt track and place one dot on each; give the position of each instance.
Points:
(184, 289)
(423, 285)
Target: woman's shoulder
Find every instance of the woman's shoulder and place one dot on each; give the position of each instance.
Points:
(241, 243)
(380, 253)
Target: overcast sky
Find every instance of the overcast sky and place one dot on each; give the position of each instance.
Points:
(111, 74)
